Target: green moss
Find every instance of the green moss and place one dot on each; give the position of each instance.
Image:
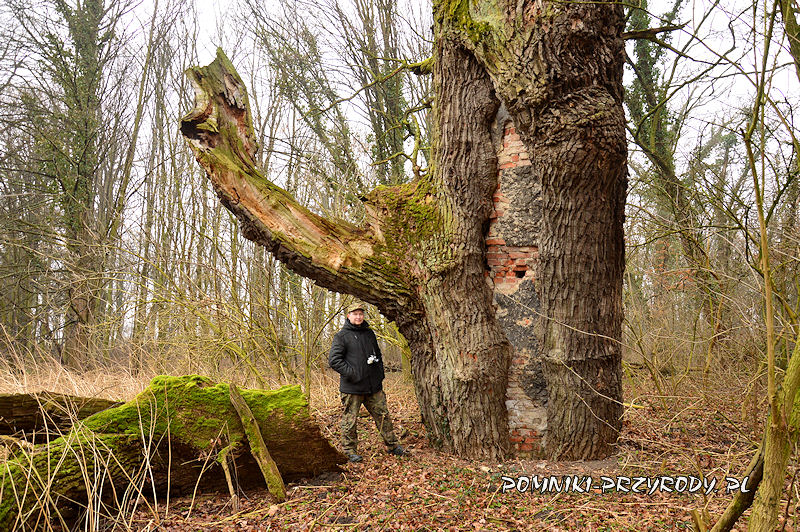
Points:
(410, 209)
(412, 214)
(52, 467)
(193, 408)
(479, 21)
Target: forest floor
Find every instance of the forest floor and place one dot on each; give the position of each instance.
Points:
(702, 435)
(693, 433)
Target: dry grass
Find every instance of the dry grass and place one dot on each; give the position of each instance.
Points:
(19, 375)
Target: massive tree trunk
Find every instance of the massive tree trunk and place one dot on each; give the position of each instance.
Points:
(421, 255)
(558, 69)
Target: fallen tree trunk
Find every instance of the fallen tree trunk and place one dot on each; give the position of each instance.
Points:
(30, 414)
(171, 438)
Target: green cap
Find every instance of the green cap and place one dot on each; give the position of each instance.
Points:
(355, 306)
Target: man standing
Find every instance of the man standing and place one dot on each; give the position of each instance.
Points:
(356, 357)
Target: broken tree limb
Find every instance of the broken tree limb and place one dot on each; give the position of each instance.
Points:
(167, 438)
(53, 413)
(258, 448)
(334, 253)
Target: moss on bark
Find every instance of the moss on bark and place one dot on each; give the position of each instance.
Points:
(168, 436)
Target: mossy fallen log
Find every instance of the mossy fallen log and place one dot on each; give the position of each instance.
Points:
(168, 439)
(29, 414)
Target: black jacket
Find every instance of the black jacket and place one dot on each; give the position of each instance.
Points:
(351, 348)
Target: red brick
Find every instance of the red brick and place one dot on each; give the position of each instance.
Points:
(520, 254)
(515, 157)
(495, 242)
(506, 166)
(526, 447)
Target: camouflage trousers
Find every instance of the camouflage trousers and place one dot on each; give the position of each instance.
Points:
(376, 406)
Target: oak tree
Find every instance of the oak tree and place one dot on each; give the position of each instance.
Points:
(420, 257)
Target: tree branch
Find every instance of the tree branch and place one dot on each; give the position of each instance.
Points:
(649, 33)
(335, 254)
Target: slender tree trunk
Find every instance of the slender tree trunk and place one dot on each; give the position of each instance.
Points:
(780, 437)
(83, 103)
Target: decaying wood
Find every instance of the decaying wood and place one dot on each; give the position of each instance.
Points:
(169, 437)
(46, 413)
(270, 471)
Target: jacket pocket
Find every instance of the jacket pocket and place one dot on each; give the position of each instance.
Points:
(355, 375)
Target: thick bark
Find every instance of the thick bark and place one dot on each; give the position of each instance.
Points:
(172, 437)
(558, 69)
(46, 412)
(421, 256)
(471, 351)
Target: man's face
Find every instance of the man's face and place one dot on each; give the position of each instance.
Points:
(356, 317)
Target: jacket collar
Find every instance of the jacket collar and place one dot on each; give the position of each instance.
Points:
(350, 327)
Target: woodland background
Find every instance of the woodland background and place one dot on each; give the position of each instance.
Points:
(117, 262)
